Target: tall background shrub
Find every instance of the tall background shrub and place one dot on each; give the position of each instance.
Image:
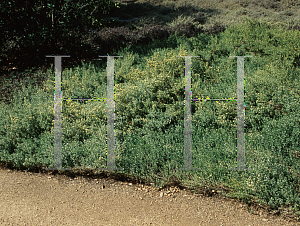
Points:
(39, 27)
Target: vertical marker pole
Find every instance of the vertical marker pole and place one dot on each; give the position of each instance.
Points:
(57, 116)
(110, 115)
(188, 140)
(240, 114)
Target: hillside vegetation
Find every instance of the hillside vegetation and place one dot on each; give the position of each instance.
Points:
(149, 99)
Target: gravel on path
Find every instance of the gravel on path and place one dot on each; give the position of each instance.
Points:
(44, 199)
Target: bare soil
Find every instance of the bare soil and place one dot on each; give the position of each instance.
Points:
(60, 198)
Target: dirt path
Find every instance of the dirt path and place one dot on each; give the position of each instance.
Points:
(45, 199)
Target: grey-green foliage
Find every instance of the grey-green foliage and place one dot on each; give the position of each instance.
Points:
(149, 107)
(274, 183)
(271, 95)
(275, 180)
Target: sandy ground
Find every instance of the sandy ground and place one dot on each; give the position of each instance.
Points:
(29, 198)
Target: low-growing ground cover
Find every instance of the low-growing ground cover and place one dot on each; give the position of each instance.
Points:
(149, 91)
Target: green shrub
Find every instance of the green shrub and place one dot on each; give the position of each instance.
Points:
(149, 110)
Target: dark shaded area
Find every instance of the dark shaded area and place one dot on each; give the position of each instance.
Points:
(82, 44)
